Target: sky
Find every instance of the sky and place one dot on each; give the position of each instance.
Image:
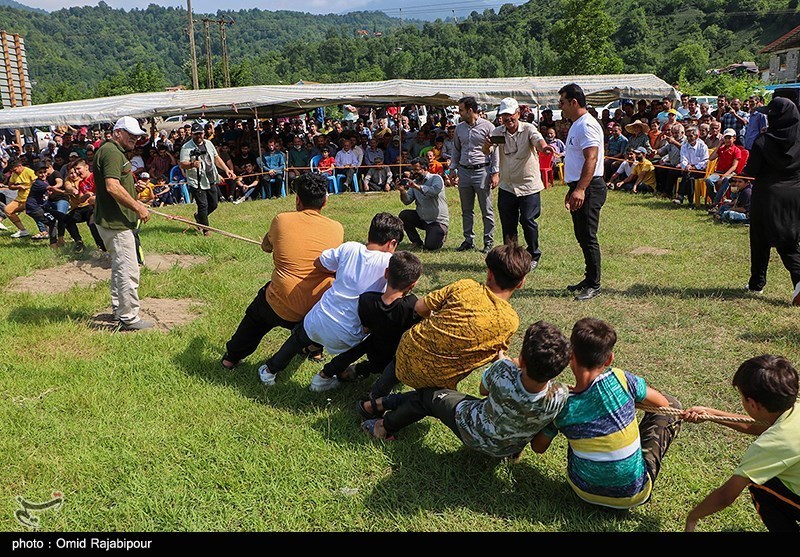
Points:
(414, 9)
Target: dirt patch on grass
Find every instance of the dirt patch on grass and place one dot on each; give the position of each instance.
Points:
(166, 313)
(649, 250)
(86, 272)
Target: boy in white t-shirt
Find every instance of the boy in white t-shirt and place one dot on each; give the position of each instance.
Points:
(333, 322)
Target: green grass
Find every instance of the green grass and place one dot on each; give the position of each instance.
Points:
(146, 431)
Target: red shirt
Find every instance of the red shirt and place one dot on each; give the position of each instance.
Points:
(325, 165)
(87, 185)
(726, 157)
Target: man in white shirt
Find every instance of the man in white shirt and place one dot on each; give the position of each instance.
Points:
(694, 156)
(347, 161)
(583, 172)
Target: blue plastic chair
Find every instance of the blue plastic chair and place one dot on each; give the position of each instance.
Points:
(340, 178)
(177, 182)
(333, 183)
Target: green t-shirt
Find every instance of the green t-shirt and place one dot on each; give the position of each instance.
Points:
(110, 162)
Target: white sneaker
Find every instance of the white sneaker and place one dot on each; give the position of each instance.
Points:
(266, 376)
(796, 295)
(236, 202)
(321, 383)
(20, 234)
(756, 292)
(3, 226)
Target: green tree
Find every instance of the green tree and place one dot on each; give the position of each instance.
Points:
(583, 39)
(140, 78)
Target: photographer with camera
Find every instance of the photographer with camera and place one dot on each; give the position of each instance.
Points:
(431, 214)
(199, 161)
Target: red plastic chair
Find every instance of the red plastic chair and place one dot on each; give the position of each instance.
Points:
(546, 167)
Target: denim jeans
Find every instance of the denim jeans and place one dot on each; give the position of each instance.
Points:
(711, 187)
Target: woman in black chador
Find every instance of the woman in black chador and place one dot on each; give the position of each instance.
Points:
(774, 164)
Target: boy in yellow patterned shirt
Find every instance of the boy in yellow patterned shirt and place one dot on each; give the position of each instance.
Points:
(465, 325)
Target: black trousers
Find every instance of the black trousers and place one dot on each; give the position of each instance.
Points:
(435, 232)
(686, 186)
(46, 218)
(297, 343)
(207, 201)
(777, 505)
(524, 210)
(404, 409)
(377, 359)
(259, 319)
(666, 179)
(759, 258)
(83, 214)
(585, 222)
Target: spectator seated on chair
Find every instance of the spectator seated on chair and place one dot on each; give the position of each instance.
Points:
(162, 192)
(273, 164)
(694, 156)
(557, 145)
(247, 186)
(668, 157)
(299, 158)
(347, 161)
(624, 170)
(379, 177)
(614, 149)
(728, 157)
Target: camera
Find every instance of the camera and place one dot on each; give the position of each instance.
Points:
(196, 153)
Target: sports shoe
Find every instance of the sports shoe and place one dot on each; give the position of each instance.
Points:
(587, 293)
(3, 226)
(678, 201)
(321, 383)
(796, 295)
(140, 325)
(487, 248)
(534, 264)
(465, 246)
(751, 291)
(78, 247)
(266, 376)
(20, 234)
(238, 201)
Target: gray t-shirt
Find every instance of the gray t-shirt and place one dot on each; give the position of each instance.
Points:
(509, 417)
(431, 200)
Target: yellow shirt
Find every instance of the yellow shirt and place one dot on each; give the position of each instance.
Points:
(298, 238)
(26, 177)
(146, 193)
(645, 173)
(468, 326)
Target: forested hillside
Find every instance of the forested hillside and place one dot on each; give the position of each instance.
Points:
(82, 52)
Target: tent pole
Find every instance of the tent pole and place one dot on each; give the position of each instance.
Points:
(258, 131)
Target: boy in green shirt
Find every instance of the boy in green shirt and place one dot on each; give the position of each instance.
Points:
(770, 468)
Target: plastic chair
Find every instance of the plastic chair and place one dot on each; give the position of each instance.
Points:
(178, 186)
(560, 169)
(546, 168)
(700, 183)
(333, 183)
(340, 178)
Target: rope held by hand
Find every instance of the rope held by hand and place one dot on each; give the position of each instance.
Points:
(204, 227)
(669, 411)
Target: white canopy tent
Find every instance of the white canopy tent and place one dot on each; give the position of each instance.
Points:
(287, 100)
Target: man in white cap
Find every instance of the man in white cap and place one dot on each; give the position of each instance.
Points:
(516, 151)
(116, 214)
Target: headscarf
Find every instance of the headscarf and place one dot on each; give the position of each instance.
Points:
(781, 141)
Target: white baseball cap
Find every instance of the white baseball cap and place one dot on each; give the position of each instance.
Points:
(130, 125)
(730, 131)
(508, 106)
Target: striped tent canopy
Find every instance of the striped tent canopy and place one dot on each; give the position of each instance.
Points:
(287, 100)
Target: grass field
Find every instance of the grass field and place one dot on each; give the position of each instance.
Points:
(146, 431)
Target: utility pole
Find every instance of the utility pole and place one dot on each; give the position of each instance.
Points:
(195, 83)
(209, 63)
(225, 70)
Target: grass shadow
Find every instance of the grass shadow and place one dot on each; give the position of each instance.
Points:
(31, 315)
(790, 336)
(423, 480)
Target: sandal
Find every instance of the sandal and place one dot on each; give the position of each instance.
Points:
(371, 414)
(369, 427)
(316, 357)
(223, 360)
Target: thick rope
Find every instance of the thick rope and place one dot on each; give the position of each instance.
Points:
(669, 411)
(204, 227)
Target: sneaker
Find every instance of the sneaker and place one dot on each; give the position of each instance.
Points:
(465, 246)
(3, 226)
(321, 383)
(487, 248)
(751, 291)
(140, 325)
(266, 376)
(20, 234)
(40, 236)
(677, 201)
(796, 295)
(534, 264)
(238, 201)
(587, 293)
(78, 247)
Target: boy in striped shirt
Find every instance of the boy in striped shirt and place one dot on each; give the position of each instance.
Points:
(612, 460)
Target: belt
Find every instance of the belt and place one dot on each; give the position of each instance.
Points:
(474, 166)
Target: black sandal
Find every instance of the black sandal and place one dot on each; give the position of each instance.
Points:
(368, 414)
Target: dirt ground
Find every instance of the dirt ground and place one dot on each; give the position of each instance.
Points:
(167, 313)
(648, 250)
